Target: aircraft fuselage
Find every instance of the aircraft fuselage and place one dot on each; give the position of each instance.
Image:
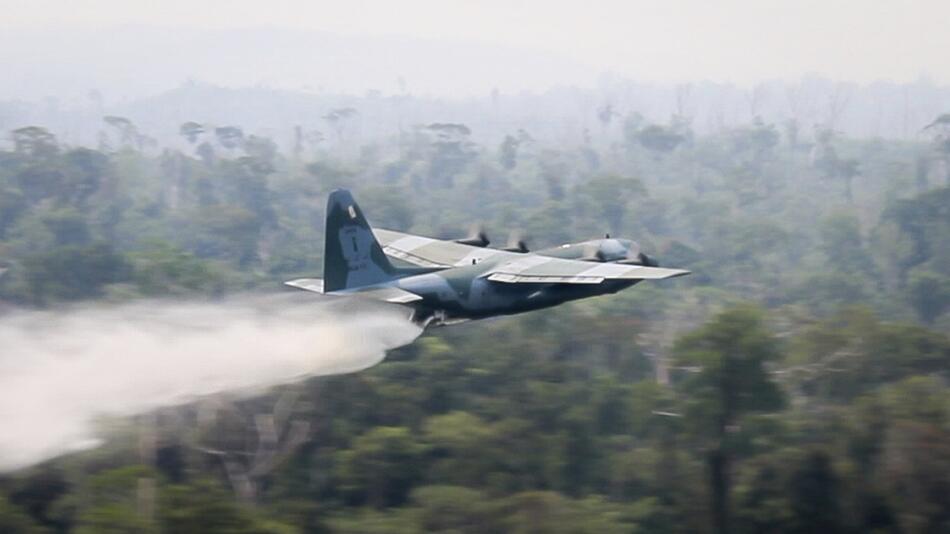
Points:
(465, 293)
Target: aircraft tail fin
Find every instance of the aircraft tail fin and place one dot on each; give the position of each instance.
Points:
(352, 256)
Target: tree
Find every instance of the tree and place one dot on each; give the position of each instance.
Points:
(227, 231)
(605, 115)
(853, 352)
(762, 500)
(758, 139)
(660, 139)
(128, 133)
(847, 170)
(41, 180)
(73, 272)
(338, 119)
(843, 245)
(277, 434)
(38, 494)
(68, 227)
(731, 353)
(191, 131)
(453, 509)
(111, 503)
(13, 205)
(550, 512)
(450, 151)
(929, 294)
(392, 206)
(609, 196)
(919, 231)
(631, 128)
(230, 137)
(204, 508)
(381, 467)
(86, 172)
(14, 521)
(941, 141)
(35, 142)
(917, 473)
(508, 152)
(814, 496)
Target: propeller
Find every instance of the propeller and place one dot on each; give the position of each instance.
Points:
(476, 237)
(640, 259)
(516, 243)
(636, 257)
(617, 251)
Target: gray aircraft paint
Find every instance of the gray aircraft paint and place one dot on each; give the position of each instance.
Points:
(455, 282)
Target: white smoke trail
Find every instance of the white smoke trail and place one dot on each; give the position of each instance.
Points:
(59, 371)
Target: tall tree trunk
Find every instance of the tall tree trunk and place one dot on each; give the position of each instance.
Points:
(922, 174)
(145, 493)
(719, 483)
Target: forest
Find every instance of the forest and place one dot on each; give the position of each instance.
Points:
(795, 382)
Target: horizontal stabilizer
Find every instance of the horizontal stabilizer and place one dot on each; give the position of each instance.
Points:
(388, 294)
(310, 284)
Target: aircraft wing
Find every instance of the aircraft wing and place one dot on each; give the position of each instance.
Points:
(428, 252)
(546, 270)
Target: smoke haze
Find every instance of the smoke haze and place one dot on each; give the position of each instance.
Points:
(60, 371)
(523, 45)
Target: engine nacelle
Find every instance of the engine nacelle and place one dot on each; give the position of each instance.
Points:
(612, 251)
(479, 239)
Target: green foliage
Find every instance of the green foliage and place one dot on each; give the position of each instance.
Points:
(923, 225)
(15, 521)
(205, 508)
(814, 498)
(453, 509)
(659, 409)
(929, 294)
(508, 152)
(73, 272)
(853, 352)
(457, 441)
(381, 467)
(390, 205)
(731, 353)
(609, 196)
(659, 138)
(113, 501)
(843, 245)
(163, 270)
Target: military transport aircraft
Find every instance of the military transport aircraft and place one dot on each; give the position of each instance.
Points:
(454, 281)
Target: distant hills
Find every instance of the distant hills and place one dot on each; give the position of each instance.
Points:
(134, 61)
(269, 80)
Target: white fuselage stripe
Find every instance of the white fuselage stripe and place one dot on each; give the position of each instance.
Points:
(608, 270)
(410, 243)
(521, 265)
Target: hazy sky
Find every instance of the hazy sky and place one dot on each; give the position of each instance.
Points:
(741, 41)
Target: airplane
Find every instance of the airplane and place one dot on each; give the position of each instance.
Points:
(455, 281)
